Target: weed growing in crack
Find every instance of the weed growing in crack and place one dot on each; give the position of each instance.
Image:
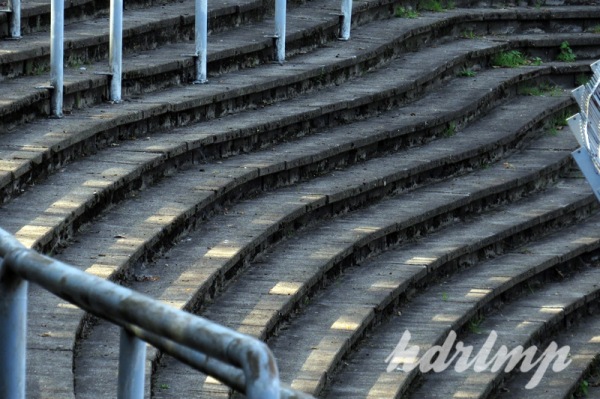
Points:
(566, 53)
(513, 59)
(450, 130)
(467, 73)
(474, 325)
(403, 12)
(509, 59)
(542, 89)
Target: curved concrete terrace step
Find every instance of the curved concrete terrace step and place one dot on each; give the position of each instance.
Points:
(258, 300)
(145, 69)
(526, 321)
(431, 318)
(160, 68)
(26, 149)
(142, 71)
(585, 351)
(313, 345)
(24, 155)
(87, 41)
(91, 184)
(170, 23)
(35, 15)
(128, 239)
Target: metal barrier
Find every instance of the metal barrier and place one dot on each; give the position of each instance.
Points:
(116, 43)
(346, 20)
(242, 362)
(201, 40)
(57, 29)
(115, 59)
(586, 127)
(14, 18)
(279, 35)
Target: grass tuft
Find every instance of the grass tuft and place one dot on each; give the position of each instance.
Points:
(431, 5)
(566, 53)
(514, 59)
(509, 59)
(467, 73)
(403, 12)
(543, 89)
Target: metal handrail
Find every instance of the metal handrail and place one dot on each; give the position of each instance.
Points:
(57, 8)
(240, 361)
(14, 19)
(585, 127)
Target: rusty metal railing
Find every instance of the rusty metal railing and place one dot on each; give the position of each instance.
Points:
(240, 361)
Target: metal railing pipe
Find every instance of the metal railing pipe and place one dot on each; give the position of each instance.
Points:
(123, 305)
(13, 323)
(280, 20)
(8, 244)
(132, 366)
(57, 22)
(346, 19)
(116, 49)
(201, 40)
(15, 19)
(13, 327)
(229, 375)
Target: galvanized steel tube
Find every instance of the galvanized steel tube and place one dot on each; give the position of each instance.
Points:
(15, 19)
(346, 19)
(201, 40)
(132, 366)
(116, 49)
(13, 336)
(57, 22)
(280, 19)
(123, 305)
(231, 376)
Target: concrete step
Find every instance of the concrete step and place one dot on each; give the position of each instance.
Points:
(124, 236)
(87, 41)
(35, 15)
(146, 29)
(577, 379)
(259, 300)
(524, 321)
(118, 212)
(148, 71)
(66, 200)
(516, 324)
(315, 343)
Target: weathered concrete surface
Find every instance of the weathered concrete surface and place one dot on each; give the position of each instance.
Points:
(520, 323)
(115, 211)
(137, 162)
(457, 300)
(583, 349)
(257, 300)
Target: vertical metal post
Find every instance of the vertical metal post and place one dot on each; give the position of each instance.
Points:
(57, 22)
(346, 19)
(15, 19)
(280, 16)
(116, 49)
(262, 375)
(13, 325)
(132, 366)
(201, 40)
